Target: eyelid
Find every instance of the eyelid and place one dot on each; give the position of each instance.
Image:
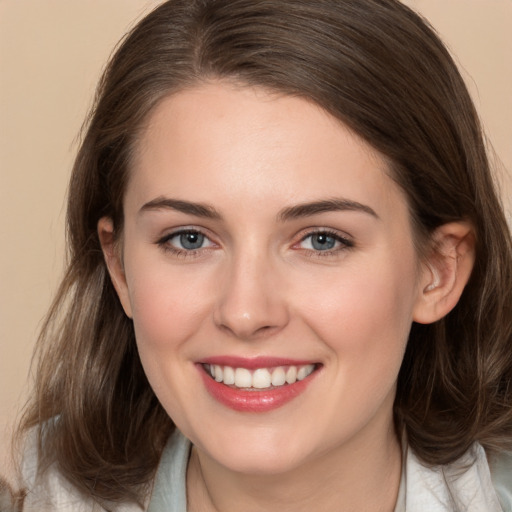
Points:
(163, 241)
(346, 241)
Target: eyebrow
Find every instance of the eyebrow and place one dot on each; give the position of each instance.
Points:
(327, 205)
(188, 207)
(292, 212)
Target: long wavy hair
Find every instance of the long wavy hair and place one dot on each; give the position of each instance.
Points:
(381, 70)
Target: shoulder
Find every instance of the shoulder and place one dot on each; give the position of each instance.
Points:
(501, 475)
(51, 491)
(465, 485)
(169, 491)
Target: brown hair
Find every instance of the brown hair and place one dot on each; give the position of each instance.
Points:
(10, 501)
(380, 69)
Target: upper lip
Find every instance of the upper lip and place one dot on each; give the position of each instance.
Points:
(252, 363)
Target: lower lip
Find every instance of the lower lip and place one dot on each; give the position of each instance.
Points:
(254, 401)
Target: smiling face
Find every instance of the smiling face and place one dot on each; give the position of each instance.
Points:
(271, 275)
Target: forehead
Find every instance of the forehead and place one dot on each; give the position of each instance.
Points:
(219, 142)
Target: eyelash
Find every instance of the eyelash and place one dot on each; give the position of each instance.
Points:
(164, 244)
(344, 243)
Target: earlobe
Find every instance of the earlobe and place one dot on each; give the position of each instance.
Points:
(446, 272)
(113, 259)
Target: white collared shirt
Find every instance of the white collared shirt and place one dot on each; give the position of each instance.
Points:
(449, 488)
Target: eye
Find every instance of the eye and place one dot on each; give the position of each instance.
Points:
(185, 241)
(320, 242)
(324, 242)
(189, 240)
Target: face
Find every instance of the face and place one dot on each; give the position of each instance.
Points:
(270, 272)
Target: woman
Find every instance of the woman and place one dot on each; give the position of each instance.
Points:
(289, 283)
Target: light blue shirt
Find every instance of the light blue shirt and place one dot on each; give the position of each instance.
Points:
(477, 488)
(443, 489)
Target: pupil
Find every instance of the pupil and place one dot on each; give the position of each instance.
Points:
(191, 240)
(323, 242)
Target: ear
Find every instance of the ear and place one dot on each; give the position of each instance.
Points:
(113, 258)
(446, 271)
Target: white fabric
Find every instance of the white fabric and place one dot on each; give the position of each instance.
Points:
(465, 486)
(501, 473)
(53, 493)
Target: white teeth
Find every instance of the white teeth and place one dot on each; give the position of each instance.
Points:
(229, 375)
(260, 378)
(243, 378)
(278, 377)
(304, 371)
(291, 374)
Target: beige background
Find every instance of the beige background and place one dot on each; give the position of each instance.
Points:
(51, 54)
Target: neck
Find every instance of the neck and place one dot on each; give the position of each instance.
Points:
(360, 476)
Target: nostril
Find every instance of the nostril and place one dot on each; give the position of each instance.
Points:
(248, 307)
(249, 332)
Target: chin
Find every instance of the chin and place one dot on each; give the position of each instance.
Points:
(262, 464)
(258, 451)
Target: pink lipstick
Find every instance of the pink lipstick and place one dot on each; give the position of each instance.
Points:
(256, 384)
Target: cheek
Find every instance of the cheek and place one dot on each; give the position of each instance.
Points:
(168, 308)
(168, 304)
(365, 317)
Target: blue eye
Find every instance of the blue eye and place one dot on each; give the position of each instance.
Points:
(324, 241)
(190, 240)
(185, 241)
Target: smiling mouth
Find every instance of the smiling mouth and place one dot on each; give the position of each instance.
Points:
(259, 378)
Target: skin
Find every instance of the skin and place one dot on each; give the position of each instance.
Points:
(258, 287)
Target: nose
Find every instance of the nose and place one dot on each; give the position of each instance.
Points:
(251, 302)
